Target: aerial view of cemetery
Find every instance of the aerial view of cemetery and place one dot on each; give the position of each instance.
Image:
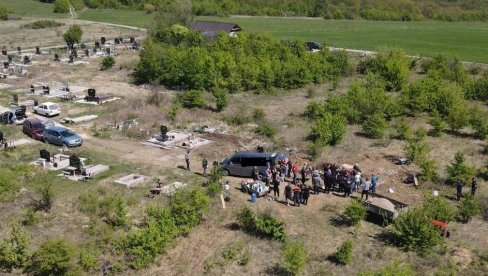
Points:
(226, 137)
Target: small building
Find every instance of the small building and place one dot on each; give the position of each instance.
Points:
(210, 28)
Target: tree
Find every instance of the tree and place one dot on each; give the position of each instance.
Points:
(375, 126)
(344, 253)
(437, 123)
(417, 149)
(294, 257)
(188, 207)
(61, 6)
(438, 208)
(14, 250)
(107, 63)
(53, 257)
(221, 99)
(191, 99)
(469, 208)
(73, 35)
(457, 117)
(328, 130)
(459, 170)
(355, 212)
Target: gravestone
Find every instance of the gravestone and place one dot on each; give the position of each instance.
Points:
(6, 64)
(83, 46)
(71, 59)
(32, 89)
(163, 133)
(92, 95)
(16, 98)
(74, 161)
(97, 45)
(87, 52)
(4, 52)
(56, 57)
(27, 60)
(132, 39)
(19, 50)
(135, 46)
(116, 41)
(107, 51)
(121, 40)
(45, 155)
(75, 53)
(2, 139)
(36, 102)
(38, 50)
(10, 58)
(260, 149)
(103, 40)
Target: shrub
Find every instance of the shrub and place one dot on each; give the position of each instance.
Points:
(188, 208)
(328, 130)
(61, 6)
(88, 203)
(413, 230)
(258, 114)
(266, 129)
(438, 208)
(479, 121)
(395, 268)
(417, 149)
(53, 257)
(375, 126)
(437, 123)
(221, 99)
(3, 13)
(43, 24)
(429, 170)
(173, 111)
(88, 258)
(355, 212)
(148, 8)
(107, 63)
(114, 210)
(191, 99)
(469, 208)
(47, 196)
(14, 250)
(213, 188)
(294, 258)
(344, 253)
(263, 225)
(73, 35)
(29, 217)
(403, 129)
(459, 170)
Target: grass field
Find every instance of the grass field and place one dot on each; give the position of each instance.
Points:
(465, 40)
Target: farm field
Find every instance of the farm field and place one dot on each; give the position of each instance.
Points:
(424, 38)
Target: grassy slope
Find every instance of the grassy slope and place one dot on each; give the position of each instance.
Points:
(465, 40)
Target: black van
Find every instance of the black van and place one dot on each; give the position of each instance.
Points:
(243, 162)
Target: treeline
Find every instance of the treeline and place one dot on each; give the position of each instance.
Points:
(180, 59)
(398, 10)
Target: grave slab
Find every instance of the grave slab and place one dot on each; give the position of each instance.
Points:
(79, 119)
(99, 103)
(171, 188)
(132, 180)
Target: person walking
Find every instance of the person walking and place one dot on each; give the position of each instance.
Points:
(459, 189)
(205, 166)
(374, 181)
(474, 186)
(187, 159)
(366, 187)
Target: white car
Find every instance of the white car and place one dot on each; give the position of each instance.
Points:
(47, 109)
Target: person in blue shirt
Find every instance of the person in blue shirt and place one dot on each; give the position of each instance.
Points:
(374, 181)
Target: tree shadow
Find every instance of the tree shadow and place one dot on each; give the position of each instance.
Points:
(181, 167)
(277, 270)
(339, 221)
(233, 226)
(459, 134)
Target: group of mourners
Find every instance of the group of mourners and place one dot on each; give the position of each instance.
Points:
(331, 178)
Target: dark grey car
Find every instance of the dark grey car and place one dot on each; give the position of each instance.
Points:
(243, 162)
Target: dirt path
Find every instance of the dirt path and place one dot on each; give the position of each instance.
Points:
(72, 11)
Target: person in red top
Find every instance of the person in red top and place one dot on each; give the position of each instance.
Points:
(295, 172)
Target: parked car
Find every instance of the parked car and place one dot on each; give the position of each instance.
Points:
(61, 136)
(243, 162)
(34, 128)
(14, 117)
(47, 109)
(313, 46)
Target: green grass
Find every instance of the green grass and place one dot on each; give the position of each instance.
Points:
(31, 8)
(123, 17)
(466, 40)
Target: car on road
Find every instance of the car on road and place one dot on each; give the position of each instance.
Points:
(61, 136)
(47, 109)
(34, 128)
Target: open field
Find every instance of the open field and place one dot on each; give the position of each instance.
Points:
(465, 40)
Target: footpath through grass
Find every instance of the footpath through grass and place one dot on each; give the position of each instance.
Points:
(466, 40)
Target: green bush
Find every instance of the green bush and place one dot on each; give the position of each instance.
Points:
(214, 188)
(459, 170)
(344, 253)
(89, 258)
(437, 123)
(44, 24)
(392, 269)
(173, 112)
(413, 230)
(148, 8)
(29, 217)
(469, 208)
(221, 99)
(392, 65)
(191, 99)
(188, 207)
(53, 257)
(375, 126)
(258, 114)
(88, 203)
(403, 129)
(294, 258)
(479, 122)
(3, 13)
(451, 69)
(114, 210)
(355, 212)
(47, 196)
(417, 150)
(73, 35)
(328, 130)
(14, 250)
(61, 6)
(438, 208)
(107, 63)
(262, 224)
(266, 129)
(429, 170)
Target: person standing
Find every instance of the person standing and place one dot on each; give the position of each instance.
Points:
(255, 173)
(276, 185)
(289, 169)
(303, 173)
(316, 181)
(187, 159)
(205, 166)
(295, 172)
(296, 195)
(306, 194)
(328, 180)
(474, 186)
(347, 185)
(366, 187)
(357, 181)
(288, 193)
(374, 181)
(459, 189)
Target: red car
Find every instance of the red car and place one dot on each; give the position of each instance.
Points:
(34, 128)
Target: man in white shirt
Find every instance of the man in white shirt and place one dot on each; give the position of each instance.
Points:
(366, 188)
